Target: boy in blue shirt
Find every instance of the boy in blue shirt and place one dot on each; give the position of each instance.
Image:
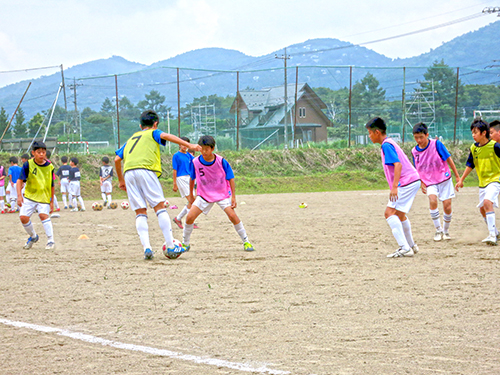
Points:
(14, 172)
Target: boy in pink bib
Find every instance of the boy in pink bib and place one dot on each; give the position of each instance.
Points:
(433, 163)
(215, 180)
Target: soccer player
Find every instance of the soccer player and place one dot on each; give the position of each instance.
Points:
(215, 179)
(404, 183)
(181, 162)
(105, 177)
(56, 203)
(141, 170)
(14, 172)
(38, 174)
(433, 162)
(63, 175)
(74, 185)
(3, 174)
(485, 157)
(495, 130)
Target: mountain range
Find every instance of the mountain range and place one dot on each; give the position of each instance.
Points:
(322, 63)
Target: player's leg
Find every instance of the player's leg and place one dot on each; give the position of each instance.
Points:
(447, 214)
(238, 225)
(490, 220)
(488, 200)
(194, 212)
(47, 225)
(2, 202)
(56, 204)
(27, 209)
(164, 223)
(394, 222)
(435, 216)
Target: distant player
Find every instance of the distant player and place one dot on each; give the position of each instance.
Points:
(56, 203)
(3, 175)
(141, 170)
(215, 179)
(14, 172)
(404, 183)
(105, 178)
(484, 156)
(74, 185)
(181, 165)
(433, 162)
(495, 130)
(38, 174)
(63, 175)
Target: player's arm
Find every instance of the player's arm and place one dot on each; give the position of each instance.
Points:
(174, 139)
(460, 182)
(398, 167)
(119, 174)
(191, 191)
(19, 188)
(453, 167)
(232, 185)
(174, 173)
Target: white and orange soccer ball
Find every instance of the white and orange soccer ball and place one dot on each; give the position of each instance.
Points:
(172, 254)
(125, 205)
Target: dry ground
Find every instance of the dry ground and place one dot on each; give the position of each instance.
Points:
(318, 296)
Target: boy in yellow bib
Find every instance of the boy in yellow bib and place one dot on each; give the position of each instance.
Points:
(38, 174)
(485, 157)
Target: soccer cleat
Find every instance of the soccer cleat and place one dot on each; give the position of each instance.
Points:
(178, 222)
(148, 254)
(2, 212)
(83, 209)
(105, 203)
(490, 240)
(415, 249)
(446, 236)
(57, 209)
(30, 242)
(438, 236)
(399, 253)
(248, 246)
(65, 207)
(186, 247)
(74, 210)
(175, 252)
(70, 207)
(50, 246)
(195, 226)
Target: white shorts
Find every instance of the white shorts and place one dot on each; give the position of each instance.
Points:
(143, 187)
(74, 188)
(444, 191)
(490, 192)
(64, 185)
(2, 191)
(406, 195)
(205, 206)
(29, 207)
(183, 185)
(106, 187)
(13, 192)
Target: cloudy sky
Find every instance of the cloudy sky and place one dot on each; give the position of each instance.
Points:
(36, 33)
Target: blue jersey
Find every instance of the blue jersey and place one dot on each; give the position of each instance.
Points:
(391, 156)
(156, 136)
(14, 171)
(181, 162)
(227, 168)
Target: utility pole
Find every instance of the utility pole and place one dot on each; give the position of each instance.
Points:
(73, 87)
(285, 57)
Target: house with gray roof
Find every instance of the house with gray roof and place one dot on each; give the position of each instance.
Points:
(262, 115)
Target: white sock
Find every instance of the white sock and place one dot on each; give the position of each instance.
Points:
(490, 220)
(49, 231)
(65, 202)
(407, 230)
(80, 200)
(186, 234)
(29, 229)
(56, 203)
(435, 219)
(2, 205)
(103, 195)
(447, 222)
(109, 198)
(141, 224)
(183, 213)
(166, 228)
(73, 200)
(397, 231)
(240, 229)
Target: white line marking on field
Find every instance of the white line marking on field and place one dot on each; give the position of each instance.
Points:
(145, 349)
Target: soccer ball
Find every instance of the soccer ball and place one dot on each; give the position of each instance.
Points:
(167, 203)
(113, 205)
(125, 205)
(97, 206)
(171, 254)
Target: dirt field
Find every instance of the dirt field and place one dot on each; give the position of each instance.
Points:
(318, 296)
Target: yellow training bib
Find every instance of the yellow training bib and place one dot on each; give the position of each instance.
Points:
(487, 163)
(142, 152)
(39, 182)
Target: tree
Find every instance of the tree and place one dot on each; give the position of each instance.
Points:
(34, 124)
(20, 128)
(107, 107)
(128, 110)
(4, 121)
(154, 100)
(368, 99)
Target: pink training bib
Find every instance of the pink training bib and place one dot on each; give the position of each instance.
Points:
(432, 169)
(2, 182)
(408, 172)
(212, 183)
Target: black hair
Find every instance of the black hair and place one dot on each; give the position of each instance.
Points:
(105, 159)
(74, 160)
(186, 139)
(25, 156)
(13, 159)
(148, 118)
(376, 123)
(207, 140)
(64, 159)
(420, 128)
(495, 124)
(37, 145)
(481, 126)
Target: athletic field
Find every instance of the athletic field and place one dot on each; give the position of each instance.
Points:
(318, 296)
